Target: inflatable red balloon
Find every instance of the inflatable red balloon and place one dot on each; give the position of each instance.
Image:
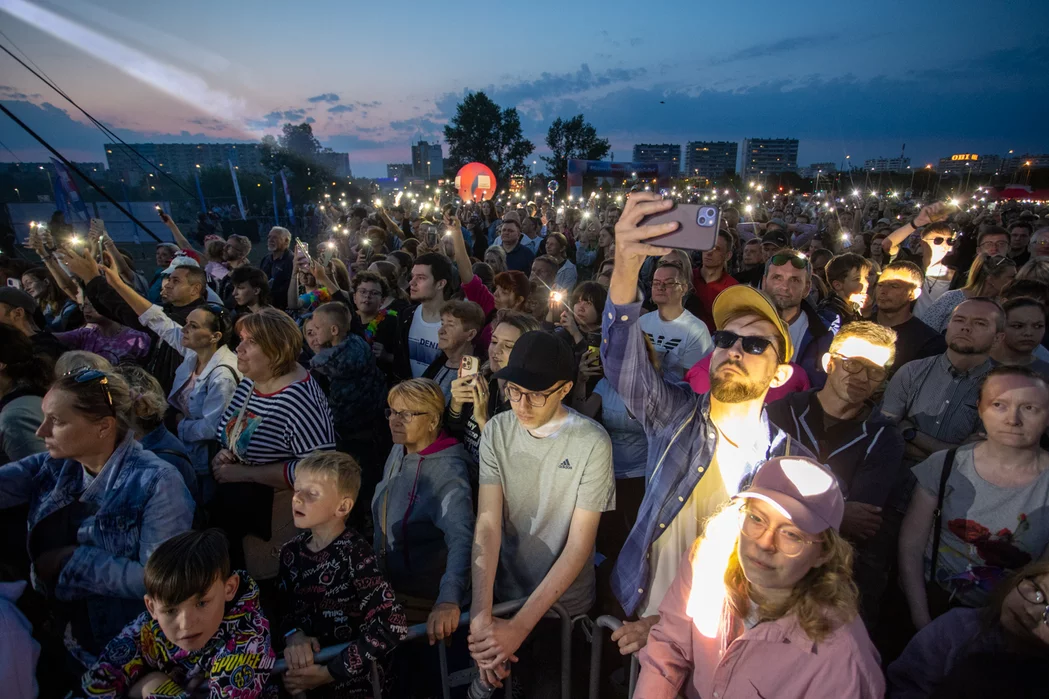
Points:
(475, 182)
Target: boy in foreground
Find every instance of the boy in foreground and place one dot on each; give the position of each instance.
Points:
(331, 591)
(203, 631)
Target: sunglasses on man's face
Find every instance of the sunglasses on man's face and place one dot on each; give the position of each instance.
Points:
(939, 240)
(752, 344)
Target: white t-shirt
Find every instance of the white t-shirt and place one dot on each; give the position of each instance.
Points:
(422, 343)
(937, 283)
(680, 343)
(797, 331)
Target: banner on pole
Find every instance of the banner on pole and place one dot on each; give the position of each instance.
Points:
(200, 192)
(236, 189)
(287, 198)
(67, 196)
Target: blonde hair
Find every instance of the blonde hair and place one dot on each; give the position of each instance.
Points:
(277, 336)
(340, 467)
(78, 359)
(421, 394)
(822, 601)
(877, 335)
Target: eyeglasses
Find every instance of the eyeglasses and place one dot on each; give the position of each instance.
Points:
(665, 285)
(993, 246)
(789, 543)
(939, 240)
(368, 294)
(405, 416)
(752, 344)
(1033, 594)
(536, 400)
(85, 374)
(852, 365)
(799, 261)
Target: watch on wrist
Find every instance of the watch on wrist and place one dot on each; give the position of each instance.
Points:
(909, 433)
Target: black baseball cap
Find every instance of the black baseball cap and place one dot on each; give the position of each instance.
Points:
(776, 238)
(538, 361)
(16, 298)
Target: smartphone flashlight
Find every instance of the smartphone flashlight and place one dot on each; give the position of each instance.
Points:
(557, 296)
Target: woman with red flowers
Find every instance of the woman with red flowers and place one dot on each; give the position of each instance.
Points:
(981, 511)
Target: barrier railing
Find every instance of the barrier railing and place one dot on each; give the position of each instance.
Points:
(596, 648)
(419, 631)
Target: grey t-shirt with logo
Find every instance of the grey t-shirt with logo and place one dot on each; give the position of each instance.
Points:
(544, 481)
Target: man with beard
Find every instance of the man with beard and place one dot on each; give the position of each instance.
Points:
(899, 284)
(702, 448)
(933, 400)
(788, 280)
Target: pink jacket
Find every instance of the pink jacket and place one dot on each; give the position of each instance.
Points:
(775, 659)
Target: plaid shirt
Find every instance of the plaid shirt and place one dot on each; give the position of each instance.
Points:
(681, 443)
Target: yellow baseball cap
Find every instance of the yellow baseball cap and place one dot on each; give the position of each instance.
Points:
(742, 298)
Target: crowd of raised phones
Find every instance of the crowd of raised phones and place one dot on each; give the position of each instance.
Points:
(806, 462)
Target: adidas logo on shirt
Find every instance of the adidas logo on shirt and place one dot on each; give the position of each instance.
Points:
(565, 464)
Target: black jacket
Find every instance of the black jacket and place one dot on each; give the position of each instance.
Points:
(867, 455)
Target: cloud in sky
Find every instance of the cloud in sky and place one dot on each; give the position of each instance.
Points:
(326, 97)
(980, 103)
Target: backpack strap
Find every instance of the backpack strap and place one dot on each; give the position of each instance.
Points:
(937, 525)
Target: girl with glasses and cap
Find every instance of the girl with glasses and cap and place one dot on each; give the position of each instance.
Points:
(99, 504)
(765, 604)
(205, 380)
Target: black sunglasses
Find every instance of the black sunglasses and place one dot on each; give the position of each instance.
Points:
(86, 374)
(799, 261)
(752, 344)
(939, 240)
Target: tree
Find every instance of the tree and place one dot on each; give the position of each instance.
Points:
(296, 152)
(574, 138)
(481, 131)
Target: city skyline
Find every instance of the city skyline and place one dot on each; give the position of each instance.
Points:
(828, 77)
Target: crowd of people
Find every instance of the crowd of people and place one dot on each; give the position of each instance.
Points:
(808, 461)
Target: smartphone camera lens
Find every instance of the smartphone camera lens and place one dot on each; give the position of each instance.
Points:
(702, 220)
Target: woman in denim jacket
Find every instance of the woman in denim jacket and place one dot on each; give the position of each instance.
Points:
(99, 505)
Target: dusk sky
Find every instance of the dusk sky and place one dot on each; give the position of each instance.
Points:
(856, 78)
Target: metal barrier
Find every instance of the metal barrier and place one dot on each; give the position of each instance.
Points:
(596, 646)
(419, 631)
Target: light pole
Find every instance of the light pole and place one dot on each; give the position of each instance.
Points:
(427, 170)
(19, 195)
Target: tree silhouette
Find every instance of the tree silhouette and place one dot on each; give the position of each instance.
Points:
(481, 131)
(574, 138)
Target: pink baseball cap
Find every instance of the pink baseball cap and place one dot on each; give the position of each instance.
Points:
(800, 489)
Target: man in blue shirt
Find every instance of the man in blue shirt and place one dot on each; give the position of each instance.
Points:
(518, 257)
(703, 449)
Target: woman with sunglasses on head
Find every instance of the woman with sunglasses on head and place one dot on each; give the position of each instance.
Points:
(987, 277)
(99, 504)
(423, 510)
(765, 605)
(204, 382)
(1013, 627)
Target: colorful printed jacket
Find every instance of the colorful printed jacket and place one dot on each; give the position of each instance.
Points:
(338, 596)
(235, 663)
